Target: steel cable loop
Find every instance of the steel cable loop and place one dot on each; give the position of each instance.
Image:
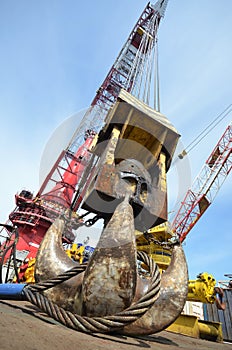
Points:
(41, 286)
(96, 324)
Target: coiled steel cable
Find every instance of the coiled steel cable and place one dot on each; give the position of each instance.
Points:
(44, 285)
(104, 324)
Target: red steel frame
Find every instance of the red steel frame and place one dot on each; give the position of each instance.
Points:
(206, 186)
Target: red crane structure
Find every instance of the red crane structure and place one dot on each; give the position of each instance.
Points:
(62, 190)
(34, 215)
(205, 187)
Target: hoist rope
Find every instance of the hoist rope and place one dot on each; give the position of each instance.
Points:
(147, 61)
(156, 80)
(207, 130)
(140, 70)
(147, 47)
(150, 61)
(97, 324)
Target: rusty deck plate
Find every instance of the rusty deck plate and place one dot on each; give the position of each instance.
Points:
(23, 326)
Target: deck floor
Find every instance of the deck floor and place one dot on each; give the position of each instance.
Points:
(23, 326)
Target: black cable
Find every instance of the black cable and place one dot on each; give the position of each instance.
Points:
(208, 128)
(198, 139)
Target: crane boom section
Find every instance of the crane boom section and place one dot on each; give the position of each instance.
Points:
(132, 68)
(206, 186)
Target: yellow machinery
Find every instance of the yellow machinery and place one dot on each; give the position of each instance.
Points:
(202, 289)
(26, 272)
(76, 252)
(29, 273)
(155, 243)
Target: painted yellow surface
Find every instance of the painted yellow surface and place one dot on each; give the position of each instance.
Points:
(192, 327)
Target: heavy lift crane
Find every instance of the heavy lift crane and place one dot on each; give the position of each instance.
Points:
(131, 74)
(122, 149)
(63, 189)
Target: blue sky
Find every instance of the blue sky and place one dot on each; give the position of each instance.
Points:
(56, 53)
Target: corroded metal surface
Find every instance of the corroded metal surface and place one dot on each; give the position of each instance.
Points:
(110, 278)
(103, 198)
(142, 124)
(51, 261)
(138, 141)
(170, 303)
(110, 283)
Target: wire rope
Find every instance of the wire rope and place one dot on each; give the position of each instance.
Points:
(206, 131)
(103, 324)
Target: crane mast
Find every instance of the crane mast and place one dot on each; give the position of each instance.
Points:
(132, 68)
(132, 71)
(206, 186)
